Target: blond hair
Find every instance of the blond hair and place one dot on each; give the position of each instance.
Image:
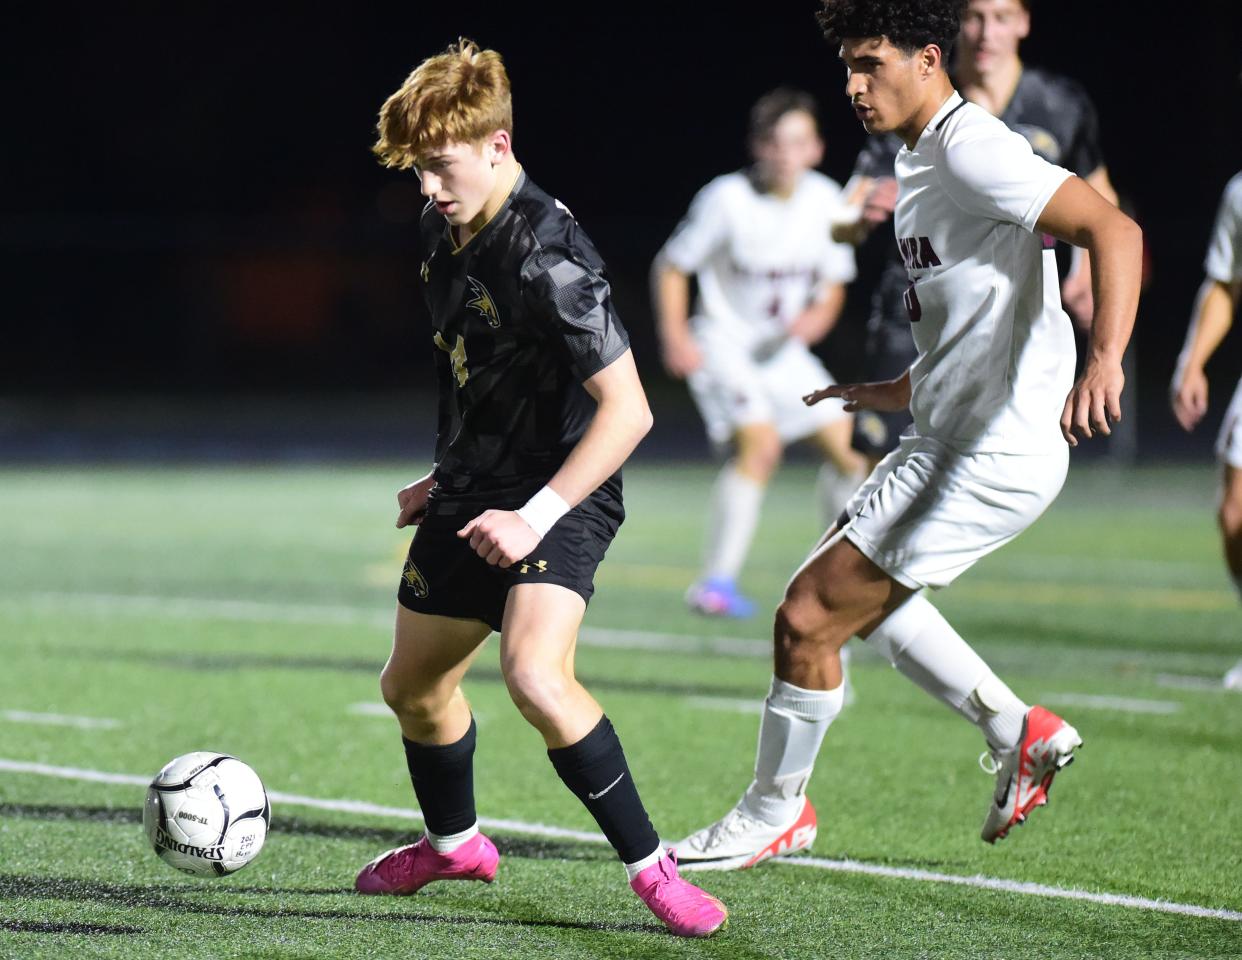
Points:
(458, 96)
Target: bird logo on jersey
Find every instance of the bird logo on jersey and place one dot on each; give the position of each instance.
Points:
(415, 580)
(483, 302)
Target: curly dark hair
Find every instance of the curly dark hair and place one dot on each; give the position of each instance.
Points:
(907, 24)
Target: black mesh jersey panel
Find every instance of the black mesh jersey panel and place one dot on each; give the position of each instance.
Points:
(1058, 120)
(522, 316)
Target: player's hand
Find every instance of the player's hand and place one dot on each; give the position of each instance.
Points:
(884, 396)
(880, 201)
(500, 537)
(1094, 402)
(1189, 397)
(1077, 298)
(681, 356)
(412, 502)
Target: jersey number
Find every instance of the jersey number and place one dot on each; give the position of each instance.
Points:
(457, 354)
(911, 300)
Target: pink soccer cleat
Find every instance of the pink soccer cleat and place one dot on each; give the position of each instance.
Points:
(1024, 774)
(686, 910)
(407, 870)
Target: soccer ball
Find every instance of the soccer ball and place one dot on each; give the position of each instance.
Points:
(206, 814)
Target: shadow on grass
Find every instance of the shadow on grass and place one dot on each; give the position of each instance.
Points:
(529, 848)
(83, 929)
(181, 899)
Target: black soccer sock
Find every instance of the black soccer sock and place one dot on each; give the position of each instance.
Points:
(595, 771)
(443, 779)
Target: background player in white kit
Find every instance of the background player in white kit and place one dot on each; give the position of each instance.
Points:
(993, 377)
(770, 284)
(1215, 306)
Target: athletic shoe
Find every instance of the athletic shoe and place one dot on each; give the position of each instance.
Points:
(686, 910)
(407, 870)
(718, 597)
(1233, 679)
(1024, 774)
(739, 840)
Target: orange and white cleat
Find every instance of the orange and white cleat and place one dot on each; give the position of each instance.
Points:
(739, 840)
(1024, 774)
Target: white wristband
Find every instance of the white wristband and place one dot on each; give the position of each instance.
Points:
(543, 510)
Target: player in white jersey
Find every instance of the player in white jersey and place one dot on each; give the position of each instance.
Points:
(1215, 306)
(994, 405)
(770, 284)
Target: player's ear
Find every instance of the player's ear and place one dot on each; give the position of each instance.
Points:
(931, 58)
(499, 146)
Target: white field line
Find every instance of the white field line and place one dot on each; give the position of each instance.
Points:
(263, 611)
(1177, 681)
(1122, 704)
(545, 830)
(369, 709)
(60, 720)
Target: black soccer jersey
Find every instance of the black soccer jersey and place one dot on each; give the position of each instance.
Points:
(1056, 117)
(522, 315)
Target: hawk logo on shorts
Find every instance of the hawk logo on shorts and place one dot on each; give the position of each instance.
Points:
(483, 302)
(425, 272)
(415, 580)
(539, 566)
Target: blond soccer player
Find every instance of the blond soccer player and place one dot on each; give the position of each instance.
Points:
(540, 405)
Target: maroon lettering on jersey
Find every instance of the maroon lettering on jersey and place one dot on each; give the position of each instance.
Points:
(917, 253)
(913, 308)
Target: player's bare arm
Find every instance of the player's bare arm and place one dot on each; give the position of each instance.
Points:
(1076, 289)
(670, 291)
(883, 396)
(412, 500)
(622, 418)
(1077, 214)
(1211, 320)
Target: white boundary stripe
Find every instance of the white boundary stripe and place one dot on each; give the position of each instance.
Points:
(297, 800)
(546, 830)
(60, 720)
(1015, 886)
(1123, 704)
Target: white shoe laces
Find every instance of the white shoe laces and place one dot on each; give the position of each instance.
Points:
(733, 823)
(989, 763)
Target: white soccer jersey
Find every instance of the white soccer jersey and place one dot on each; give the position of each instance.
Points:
(996, 351)
(759, 259)
(1224, 256)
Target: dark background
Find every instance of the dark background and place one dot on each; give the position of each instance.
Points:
(200, 255)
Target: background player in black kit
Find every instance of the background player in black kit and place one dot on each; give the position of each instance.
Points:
(540, 404)
(1056, 117)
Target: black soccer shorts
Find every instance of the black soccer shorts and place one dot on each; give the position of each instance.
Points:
(444, 577)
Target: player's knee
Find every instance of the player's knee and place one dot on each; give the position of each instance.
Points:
(408, 699)
(537, 690)
(803, 623)
(759, 454)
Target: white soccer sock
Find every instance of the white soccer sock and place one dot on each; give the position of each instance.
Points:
(634, 869)
(833, 490)
(793, 726)
(917, 640)
(731, 525)
(448, 844)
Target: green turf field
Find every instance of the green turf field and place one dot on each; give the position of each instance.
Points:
(248, 611)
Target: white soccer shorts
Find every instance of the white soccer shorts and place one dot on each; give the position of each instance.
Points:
(927, 513)
(732, 390)
(1229, 442)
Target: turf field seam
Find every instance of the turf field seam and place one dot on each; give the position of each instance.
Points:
(978, 881)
